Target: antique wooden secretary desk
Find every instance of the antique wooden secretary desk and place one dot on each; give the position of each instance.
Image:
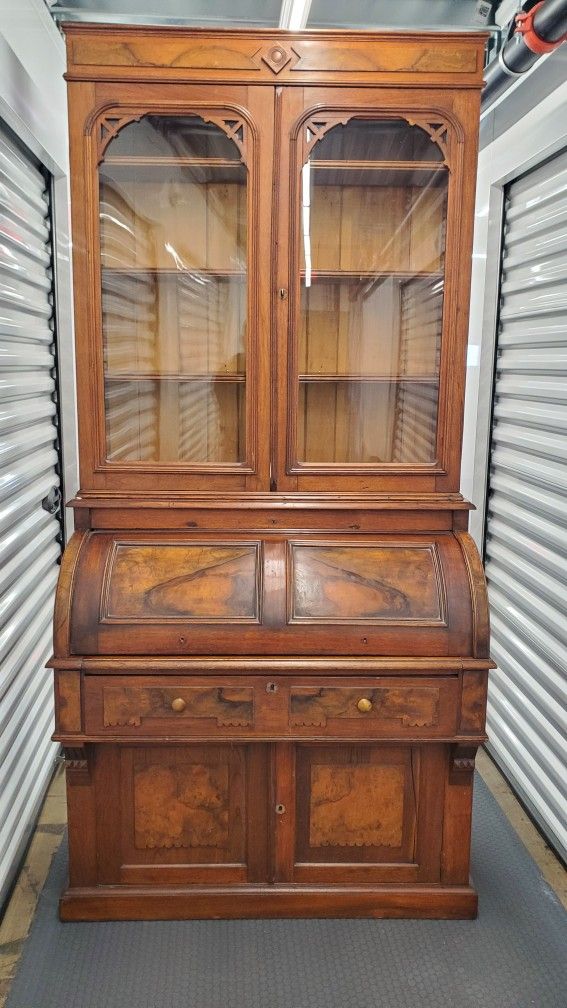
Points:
(271, 631)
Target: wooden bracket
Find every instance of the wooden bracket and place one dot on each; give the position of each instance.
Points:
(77, 765)
(461, 766)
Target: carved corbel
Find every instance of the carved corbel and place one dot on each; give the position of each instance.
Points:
(461, 766)
(77, 764)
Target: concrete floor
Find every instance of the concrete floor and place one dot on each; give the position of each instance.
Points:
(19, 913)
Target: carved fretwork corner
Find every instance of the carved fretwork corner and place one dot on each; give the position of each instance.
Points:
(318, 126)
(109, 127)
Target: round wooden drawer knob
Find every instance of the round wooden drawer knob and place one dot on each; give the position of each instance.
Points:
(178, 705)
(364, 705)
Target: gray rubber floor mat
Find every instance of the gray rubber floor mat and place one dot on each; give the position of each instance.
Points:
(513, 956)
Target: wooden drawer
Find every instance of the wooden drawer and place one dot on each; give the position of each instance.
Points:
(414, 707)
(161, 707)
(167, 706)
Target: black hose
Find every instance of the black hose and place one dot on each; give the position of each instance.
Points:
(550, 23)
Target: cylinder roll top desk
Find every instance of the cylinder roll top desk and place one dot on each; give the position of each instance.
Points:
(271, 627)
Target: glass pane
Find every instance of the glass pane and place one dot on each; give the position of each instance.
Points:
(367, 421)
(376, 140)
(374, 196)
(173, 225)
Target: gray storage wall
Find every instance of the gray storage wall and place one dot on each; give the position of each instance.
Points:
(29, 464)
(526, 525)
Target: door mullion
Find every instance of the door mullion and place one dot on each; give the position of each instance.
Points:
(283, 811)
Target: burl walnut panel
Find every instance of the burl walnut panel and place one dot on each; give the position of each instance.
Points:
(413, 706)
(366, 583)
(160, 581)
(356, 806)
(191, 799)
(132, 705)
(181, 806)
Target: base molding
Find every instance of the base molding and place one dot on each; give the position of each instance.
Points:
(250, 901)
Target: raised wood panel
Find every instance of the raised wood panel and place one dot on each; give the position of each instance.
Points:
(161, 581)
(132, 706)
(181, 804)
(410, 706)
(418, 57)
(187, 813)
(366, 583)
(356, 806)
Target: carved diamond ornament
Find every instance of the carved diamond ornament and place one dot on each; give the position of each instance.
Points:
(277, 58)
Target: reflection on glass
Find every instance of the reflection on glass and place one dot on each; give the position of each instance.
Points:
(373, 210)
(173, 223)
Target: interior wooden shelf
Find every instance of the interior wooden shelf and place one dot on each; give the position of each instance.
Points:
(168, 160)
(424, 379)
(373, 165)
(315, 274)
(372, 274)
(224, 376)
(172, 271)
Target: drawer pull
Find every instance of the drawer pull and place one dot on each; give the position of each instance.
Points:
(364, 705)
(178, 705)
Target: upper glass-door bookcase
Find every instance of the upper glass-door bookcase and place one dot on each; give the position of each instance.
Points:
(363, 380)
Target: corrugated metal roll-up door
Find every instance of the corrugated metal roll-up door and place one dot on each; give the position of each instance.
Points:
(30, 529)
(526, 529)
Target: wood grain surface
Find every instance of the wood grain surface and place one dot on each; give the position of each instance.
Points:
(412, 706)
(161, 581)
(132, 705)
(358, 806)
(181, 805)
(366, 583)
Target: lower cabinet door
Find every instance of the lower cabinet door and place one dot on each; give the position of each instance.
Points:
(187, 814)
(355, 813)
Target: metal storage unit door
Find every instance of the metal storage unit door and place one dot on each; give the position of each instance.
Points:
(526, 548)
(29, 534)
